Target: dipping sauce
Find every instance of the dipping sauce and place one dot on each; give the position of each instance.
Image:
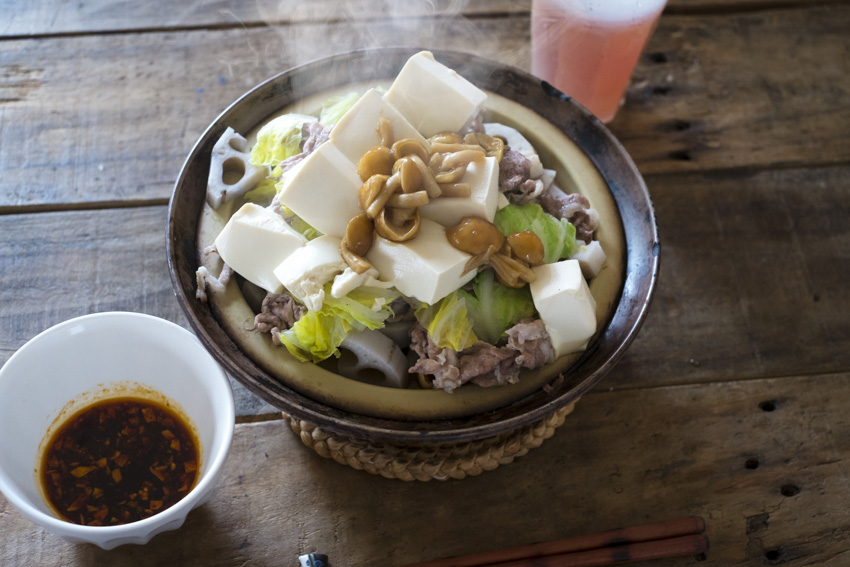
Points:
(118, 461)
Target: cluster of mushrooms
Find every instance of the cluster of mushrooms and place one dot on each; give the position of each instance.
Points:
(399, 176)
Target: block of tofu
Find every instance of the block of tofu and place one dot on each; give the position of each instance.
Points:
(323, 190)
(590, 257)
(483, 179)
(254, 242)
(433, 97)
(565, 304)
(306, 271)
(357, 130)
(427, 267)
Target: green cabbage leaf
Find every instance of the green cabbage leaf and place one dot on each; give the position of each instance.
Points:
(447, 322)
(335, 108)
(558, 235)
(279, 139)
(495, 308)
(318, 334)
(298, 223)
(263, 193)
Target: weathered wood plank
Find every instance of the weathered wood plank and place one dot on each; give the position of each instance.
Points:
(56, 266)
(114, 122)
(762, 477)
(49, 18)
(748, 90)
(728, 6)
(43, 17)
(753, 276)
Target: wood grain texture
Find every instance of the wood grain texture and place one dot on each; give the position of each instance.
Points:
(730, 404)
(753, 278)
(61, 265)
(134, 104)
(762, 477)
(56, 266)
(745, 90)
(43, 17)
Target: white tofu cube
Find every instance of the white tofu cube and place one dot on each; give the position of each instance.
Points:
(427, 267)
(305, 272)
(433, 97)
(357, 130)
(565, 304)
(323, 190)
(590, 257)
(254, 242)
(483, 179)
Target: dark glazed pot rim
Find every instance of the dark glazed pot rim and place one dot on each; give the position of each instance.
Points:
(604, 151)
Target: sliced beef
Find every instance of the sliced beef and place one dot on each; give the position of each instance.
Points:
(205, 280)
(291, 162)
(586, 223)
(575, 208)
(530, 339)
(487, 365)
(279, 312)
(514, 170)
(483, 364)
(441, 363)
(563, 206)
(527, 191)
(402, 311)
(313, 135)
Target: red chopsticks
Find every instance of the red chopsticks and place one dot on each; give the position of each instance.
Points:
(674, 538)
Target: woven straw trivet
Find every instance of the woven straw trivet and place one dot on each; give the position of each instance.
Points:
(427, 462)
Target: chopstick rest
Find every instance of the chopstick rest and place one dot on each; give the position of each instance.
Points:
(673, 538)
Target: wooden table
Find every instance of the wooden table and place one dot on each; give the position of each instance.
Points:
(731, 403)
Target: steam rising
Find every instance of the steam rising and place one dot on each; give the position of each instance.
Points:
(304, 30)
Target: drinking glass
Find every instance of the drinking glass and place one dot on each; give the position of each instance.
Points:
(589, 48)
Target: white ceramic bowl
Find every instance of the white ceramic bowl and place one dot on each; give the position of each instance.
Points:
(103, 355)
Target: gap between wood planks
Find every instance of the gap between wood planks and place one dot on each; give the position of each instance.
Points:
(722, 8)
(258, 24)
(706, 9)
(81, 206)
(601, 388)
(140, 203)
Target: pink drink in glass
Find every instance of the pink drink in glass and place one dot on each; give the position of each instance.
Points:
(588, 48)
